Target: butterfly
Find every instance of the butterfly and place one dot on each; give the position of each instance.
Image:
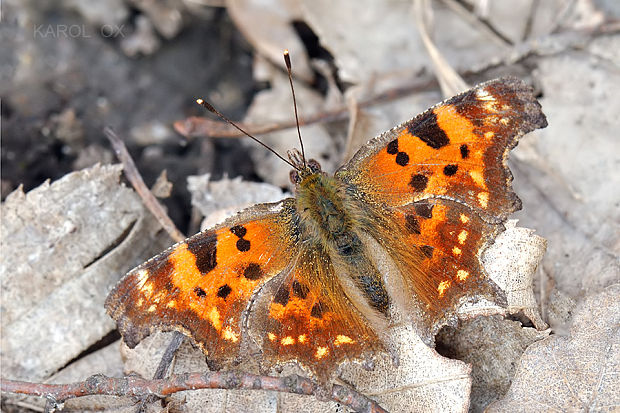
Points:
(394, 235)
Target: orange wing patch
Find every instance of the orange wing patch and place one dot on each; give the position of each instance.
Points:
(202, 286)
(305, 317)
(451, 238)
(456, 150)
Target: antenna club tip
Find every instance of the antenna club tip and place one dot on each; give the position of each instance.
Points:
(200, 101)
(285, 51)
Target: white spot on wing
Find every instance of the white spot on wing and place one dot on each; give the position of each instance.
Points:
(277, 207)
(482, 94)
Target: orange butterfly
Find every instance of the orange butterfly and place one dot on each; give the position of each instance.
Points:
(395, 233)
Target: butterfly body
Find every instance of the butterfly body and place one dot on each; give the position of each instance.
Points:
(331, 218)
(395, 235)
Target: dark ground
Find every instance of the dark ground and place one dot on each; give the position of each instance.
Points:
(61, 88)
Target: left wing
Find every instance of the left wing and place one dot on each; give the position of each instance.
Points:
(203, 285)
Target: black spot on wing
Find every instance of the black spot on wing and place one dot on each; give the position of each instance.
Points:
(402, 159)
(427, 250)
(200, 292)
(412, 224)
(253, 271)
(392, 147)
(424, 209)
(239, 230)
(223, 291)
(300, 290)
(418, 182)
(450, 170)
(429, 132)
(243, 245)
(317, 310)
(203, 247)
(281, 296)
(464, 151)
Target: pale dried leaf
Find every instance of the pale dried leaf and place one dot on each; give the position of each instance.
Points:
(574, 373)
(274, 33)
(492, 346)
(64, 245)
(234, 194)
(511, 262)
(162, 187)
(423, 380)
(369, 37)
(570, 189)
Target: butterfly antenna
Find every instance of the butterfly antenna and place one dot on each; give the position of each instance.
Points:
(211, 109)
(287, 60)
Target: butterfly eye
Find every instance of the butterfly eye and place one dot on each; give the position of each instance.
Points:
(314, 166)
(294, 177)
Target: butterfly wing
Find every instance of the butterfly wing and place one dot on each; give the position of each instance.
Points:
(456, 150)
(304, 316)
(443, 177)
(203, 285)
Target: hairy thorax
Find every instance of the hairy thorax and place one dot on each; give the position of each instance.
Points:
(326, 213)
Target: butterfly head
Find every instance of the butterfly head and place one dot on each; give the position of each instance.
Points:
(303, 168)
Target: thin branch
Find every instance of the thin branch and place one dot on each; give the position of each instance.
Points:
(197, 126)
(153, 205)
(479, 22)
(139, 387)
(133, 175)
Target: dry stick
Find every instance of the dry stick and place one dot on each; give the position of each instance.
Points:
(153, 205)
(138, 387)
(197, 126)
(131, 172)
(481, 23)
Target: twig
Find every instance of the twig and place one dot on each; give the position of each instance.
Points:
(132, 174)
(139, 387)
(479, 22)
(162, 367)
(153, 205)
(450, 81)
(197, 126)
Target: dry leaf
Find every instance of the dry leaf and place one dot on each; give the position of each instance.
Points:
(492, 346)
(64, 245)
(574, 373)
(569, 175)
(275, 33)
(229, 194)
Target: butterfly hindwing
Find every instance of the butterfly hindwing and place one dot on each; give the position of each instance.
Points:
(304, 316)
(451, 238)
(202, 286)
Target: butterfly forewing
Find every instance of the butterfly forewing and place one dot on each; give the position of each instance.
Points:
(455, 150)
(202, 286)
